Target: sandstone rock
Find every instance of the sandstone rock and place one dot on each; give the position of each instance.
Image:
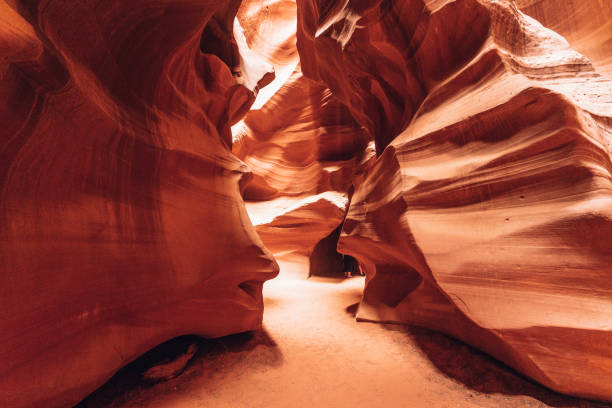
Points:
(469, 144)
(297, 224)
(122, 223)
(167, 370)
(586, 24)
(487, 214)
(301, 144)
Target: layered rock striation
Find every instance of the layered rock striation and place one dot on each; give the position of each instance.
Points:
(586, 24)
(487, 213)
(463, 147)
(121, 220)
(301, 144)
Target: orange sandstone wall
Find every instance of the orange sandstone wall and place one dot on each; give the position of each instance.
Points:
(586, 24)
(121, 220)
(469, 145)
(302, 145)
(487, 214)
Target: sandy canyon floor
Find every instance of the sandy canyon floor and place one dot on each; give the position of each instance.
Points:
(312, 353)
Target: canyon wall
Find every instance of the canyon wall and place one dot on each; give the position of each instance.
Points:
(464, 147)
(122, 224)
(487, 214)
(586, 24)
(301, 144)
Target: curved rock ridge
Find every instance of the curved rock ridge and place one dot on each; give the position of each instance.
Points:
(303, 165)
(301, 144)
(121, 220)
(487, 215)
(297, 224)
(469, 145)
(586, 24)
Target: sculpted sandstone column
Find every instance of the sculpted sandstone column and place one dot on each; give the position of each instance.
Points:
(302, 145)
(121, 220)
(487, 214)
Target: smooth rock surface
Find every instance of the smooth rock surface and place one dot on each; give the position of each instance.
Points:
(586, 24)
(487, 215)
(121, 220)
(301, 144)
(464, 147)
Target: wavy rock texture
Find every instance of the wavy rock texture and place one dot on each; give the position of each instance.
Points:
(488, 213)
(122, 223)
(304, 151)
(586, 24)
(301, 144)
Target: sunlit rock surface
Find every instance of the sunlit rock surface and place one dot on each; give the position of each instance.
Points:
(296, 225)
(488, 213)
(121, 220)
(465, 147)
(304, 150)
(301, 144)
(586, 24)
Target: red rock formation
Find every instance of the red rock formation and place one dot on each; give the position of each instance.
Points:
(121, 222)
(302, 146)
(487, 215)
(586, 24)
(303, 163)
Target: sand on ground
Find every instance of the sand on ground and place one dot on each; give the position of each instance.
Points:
(312, 353)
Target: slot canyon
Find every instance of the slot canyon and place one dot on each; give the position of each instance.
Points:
(305, 203)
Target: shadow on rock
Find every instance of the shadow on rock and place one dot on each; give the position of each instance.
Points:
(180, 361)
(352, 309)
(482, 373)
